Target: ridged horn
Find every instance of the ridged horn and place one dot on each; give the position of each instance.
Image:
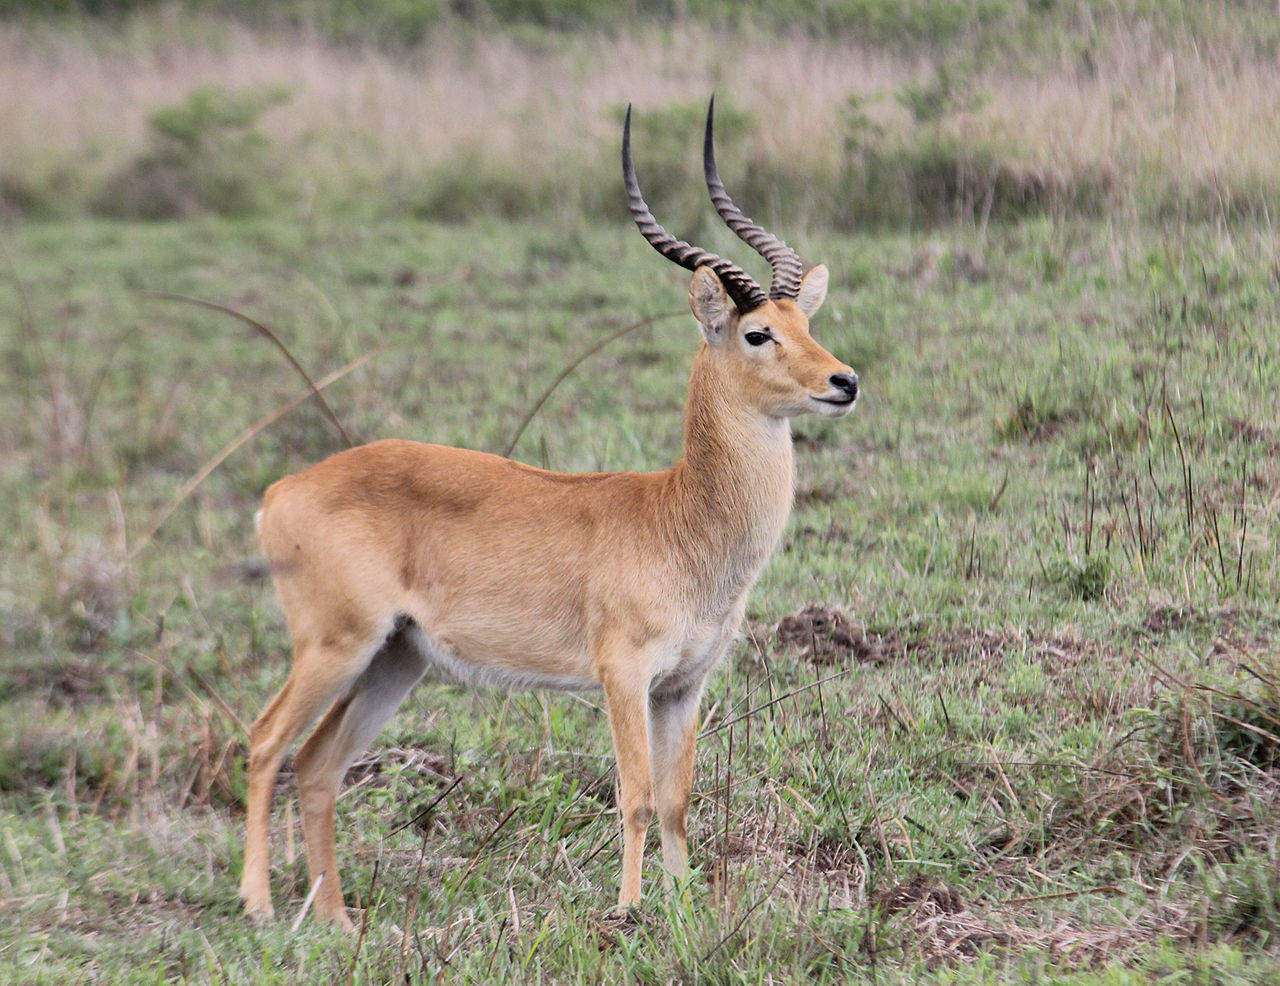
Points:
(744, 291)
(785, 262)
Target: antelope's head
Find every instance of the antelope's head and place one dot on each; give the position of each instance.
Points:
(763, 339)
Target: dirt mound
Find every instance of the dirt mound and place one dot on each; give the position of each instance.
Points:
(826, 636)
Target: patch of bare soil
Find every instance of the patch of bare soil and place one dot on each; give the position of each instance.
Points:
(934, 921)
(917, 891)
(824, 635)
(370, 766)
(926, 918)
(947, 930)
(1164, 621)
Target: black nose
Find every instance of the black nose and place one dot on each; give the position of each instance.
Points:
(848, 382)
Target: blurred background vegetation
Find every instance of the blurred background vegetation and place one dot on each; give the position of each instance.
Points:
(403, 23)
(835, 113)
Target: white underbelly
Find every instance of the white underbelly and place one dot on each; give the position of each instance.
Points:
(447, 662)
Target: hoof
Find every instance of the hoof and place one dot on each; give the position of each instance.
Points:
(338, 919)
(259, 915)
(622, 917)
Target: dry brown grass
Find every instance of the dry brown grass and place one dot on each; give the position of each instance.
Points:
(1189, 118)
(1184, 119)
(86, 97)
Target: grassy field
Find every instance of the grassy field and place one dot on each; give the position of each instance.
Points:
(1007, 706)
(1043, 548)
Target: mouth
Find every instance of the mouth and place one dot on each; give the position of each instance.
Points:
(844, 400)
(835, 406)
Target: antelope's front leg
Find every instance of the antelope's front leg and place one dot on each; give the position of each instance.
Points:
(673, 732)
(627, 692)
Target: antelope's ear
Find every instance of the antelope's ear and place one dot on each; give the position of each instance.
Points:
(711, 305)
(813, 290)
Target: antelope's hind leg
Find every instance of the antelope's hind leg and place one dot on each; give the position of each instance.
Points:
(317, 677)
(366, 691)
(345, 731)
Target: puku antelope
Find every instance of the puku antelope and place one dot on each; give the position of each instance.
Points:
(395, 558)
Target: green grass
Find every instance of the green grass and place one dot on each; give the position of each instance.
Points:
(1052, 522)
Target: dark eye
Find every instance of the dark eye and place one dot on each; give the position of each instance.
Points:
(756, 338)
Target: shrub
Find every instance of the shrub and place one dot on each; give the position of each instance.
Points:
(205, 155)
(472, 186)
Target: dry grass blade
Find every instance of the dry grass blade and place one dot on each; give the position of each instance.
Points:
(1108, 889)
(419, 816)
(1248, 703)
(26, 318)
(781, 698)
(1266, 734)
(745, 915)
(306, 903)
(564, 374)
(475, 856)
(364, 922)
(268, 334)
(204, 471)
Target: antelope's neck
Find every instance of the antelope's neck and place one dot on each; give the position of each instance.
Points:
(733, 489)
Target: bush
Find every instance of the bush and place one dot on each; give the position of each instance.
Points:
(205, 155)
(471, 186)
